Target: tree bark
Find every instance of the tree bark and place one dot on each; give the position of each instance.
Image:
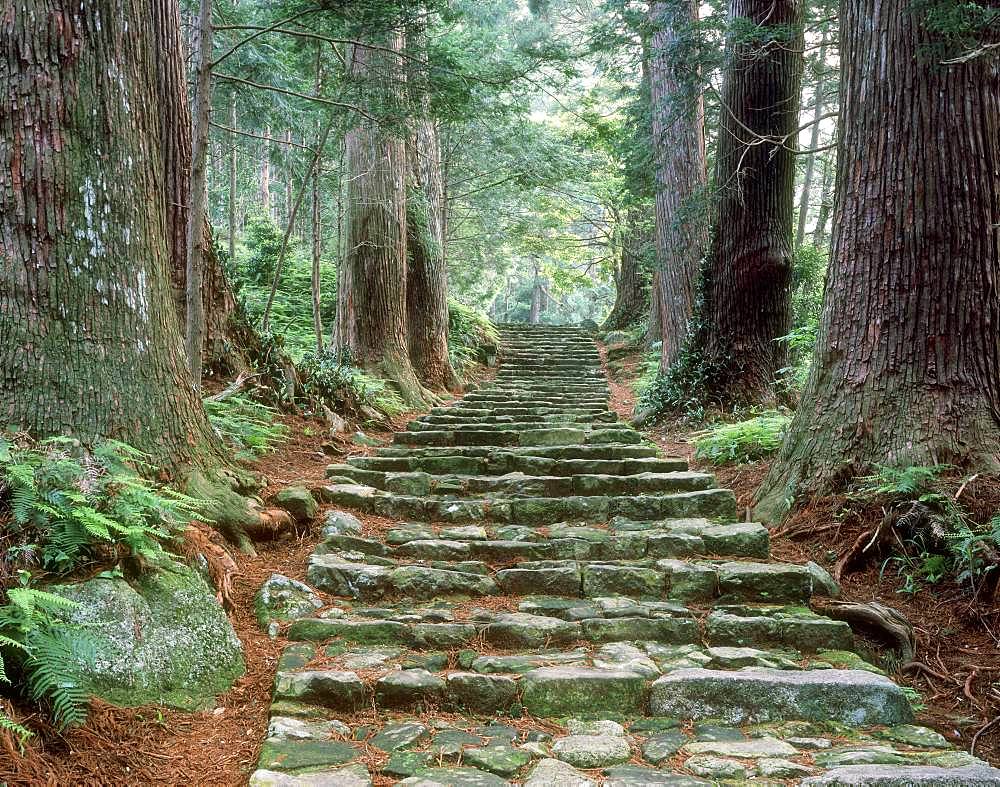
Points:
(819, 104)
(747, 277)
(316, 229)
(537, 298)
(677, 112)
(376, 227)
(427, 274)
(197, 238)
(92, 342)
(631, 279)
(907, 364)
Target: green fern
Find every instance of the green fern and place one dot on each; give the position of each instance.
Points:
(47, 650)
(911, 482)
(21, 733)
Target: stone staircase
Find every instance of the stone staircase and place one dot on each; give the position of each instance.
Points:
(555, 604)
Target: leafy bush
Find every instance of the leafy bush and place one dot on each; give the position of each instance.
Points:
(744, 441)
(679, 389)
(245, 424)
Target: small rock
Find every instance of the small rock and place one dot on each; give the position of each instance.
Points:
(776, 768)
(502, 760)
(715, 767)
(406, 687)
(592, 751)
(663, 746)
(297, 501)
(399, 735)
(751, 748)
(281, 598)
(912, 735)
(340, 523)
(823, 583)
(602, 727)
(555, 773)
(351, 776)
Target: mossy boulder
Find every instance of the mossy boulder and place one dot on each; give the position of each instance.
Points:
(160, 638)
(281, 598)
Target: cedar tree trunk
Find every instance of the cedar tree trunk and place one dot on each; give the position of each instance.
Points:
(376, 229)
(92, 343)
(677, 112)
(747, 279)
(907, 363)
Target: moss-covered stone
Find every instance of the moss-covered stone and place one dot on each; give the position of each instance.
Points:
(160, 638)
(297, 501)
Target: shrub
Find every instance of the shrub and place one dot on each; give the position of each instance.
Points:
(470, 332)
(332, 377)
(744, 441)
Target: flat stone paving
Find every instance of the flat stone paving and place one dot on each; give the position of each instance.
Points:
(558, 605)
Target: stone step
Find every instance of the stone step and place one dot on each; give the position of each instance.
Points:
(462, 417)
(502, 463)
(584, 434)
(438, 568)
(519, 484)
(458, 425)
(505, 544)
(487, 748)
(625, 682)
(610, 452)
(710, 503)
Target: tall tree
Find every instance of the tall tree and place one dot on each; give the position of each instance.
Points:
(677, 112)
(92, 343)
(427, 274)
(907, 364)
(746, 284)
(376, 224)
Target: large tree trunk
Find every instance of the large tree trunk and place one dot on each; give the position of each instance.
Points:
(537, 298)
(92, 343)
(376, 228)
(631, 279)
(747, 279)
(427, 275)
(677, 112)
(907, 364)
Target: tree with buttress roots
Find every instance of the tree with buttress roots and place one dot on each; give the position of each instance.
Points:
(906, 369)
(90, 340)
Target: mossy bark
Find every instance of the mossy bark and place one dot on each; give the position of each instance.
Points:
(91, 341)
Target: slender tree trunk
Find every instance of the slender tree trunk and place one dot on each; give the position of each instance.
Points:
(907, 363)
(92, 343)
(232, 176)
(345, 334)
(289, 173)
(678, 117)
(819, 104)
(376, 227)
(316, 230)
(825, 204)
(265, 174)
(427, 274)
(747, 279)
(537, 298)
(631, 280)
(197, 237)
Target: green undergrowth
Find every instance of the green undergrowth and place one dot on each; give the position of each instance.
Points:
(248, 426)
(471, 335)
(743, 441)
(65, 509)
(930, 535)
(333, 377)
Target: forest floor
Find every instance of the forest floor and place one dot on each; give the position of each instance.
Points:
(957, 659)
